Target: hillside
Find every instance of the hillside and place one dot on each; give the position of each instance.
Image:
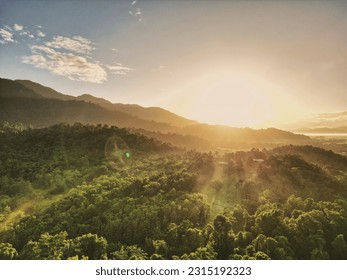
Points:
(23, 105)
(229, 137)
(97, 192)
(151, 114)
(33, 104)
(11, 89)
(154, 113)
(178, 140)
(95, 100)
(46, 112)
(44, 91)
(332, 162)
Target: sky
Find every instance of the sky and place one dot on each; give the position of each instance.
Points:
(239, 63)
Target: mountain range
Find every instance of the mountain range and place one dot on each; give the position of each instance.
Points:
(335, 123)
(33, 104)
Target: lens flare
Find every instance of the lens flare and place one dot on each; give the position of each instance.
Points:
(117, 152)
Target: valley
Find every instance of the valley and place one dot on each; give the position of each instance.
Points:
(87, 179)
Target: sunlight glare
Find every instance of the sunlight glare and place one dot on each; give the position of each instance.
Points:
(240, 100)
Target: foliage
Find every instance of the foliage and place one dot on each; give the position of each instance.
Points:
(63, 197)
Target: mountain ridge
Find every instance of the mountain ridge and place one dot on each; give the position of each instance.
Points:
(44, 91)
(321, 123)
(149, 113)
(29, 107)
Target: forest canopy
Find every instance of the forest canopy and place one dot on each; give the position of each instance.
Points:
(99, 192)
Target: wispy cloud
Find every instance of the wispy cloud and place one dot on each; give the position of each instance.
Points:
(7, 36)
(158, 69)
(26, 33)
(135, 11)
(138, 12)
(17, 27)
(8, 33)
(41, 34)
(76, 44)
(74, 67)
(119, 69)
(71, 57)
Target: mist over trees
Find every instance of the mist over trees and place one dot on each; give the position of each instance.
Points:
(102, 192)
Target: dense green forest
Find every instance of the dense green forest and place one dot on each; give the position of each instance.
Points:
(102, 192)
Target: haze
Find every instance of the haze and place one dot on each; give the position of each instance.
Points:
(238, 63)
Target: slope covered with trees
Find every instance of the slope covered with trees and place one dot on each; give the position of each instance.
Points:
(150, 114)
(98, 192)
(34, 104)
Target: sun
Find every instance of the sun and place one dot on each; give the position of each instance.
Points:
(237, 99)
(233, 101)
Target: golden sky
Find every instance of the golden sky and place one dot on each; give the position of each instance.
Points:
(240, 63)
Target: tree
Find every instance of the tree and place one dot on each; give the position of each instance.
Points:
(223, 240)
(7, 252)
(91, 246)
(318, 254)
(160, 248)
(132, 252)
(202, 253)
(269, 220)
(261, 256)
(339, 248)
(48, 247)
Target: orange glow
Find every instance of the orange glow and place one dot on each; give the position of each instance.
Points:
(236, 99)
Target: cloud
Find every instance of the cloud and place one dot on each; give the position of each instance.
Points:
(76, 44)
(158, 69)
(41, 34)
(115, 50)
(135, 11)
(17, 27)
(71, 57)
(7, 36)
(119, 69)
(138, 12)
(26, 33)
(16, 30)
(72, 66)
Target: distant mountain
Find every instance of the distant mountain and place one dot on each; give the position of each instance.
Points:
(9, 88)
(45, 112)
(155, 114)
(31, 103)
(241, 137)
(321, 123)
(46, 92)
(151, 113)
(96, 100)
(22, 104)
(338, 115)
(179, 140)
(322, 130)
